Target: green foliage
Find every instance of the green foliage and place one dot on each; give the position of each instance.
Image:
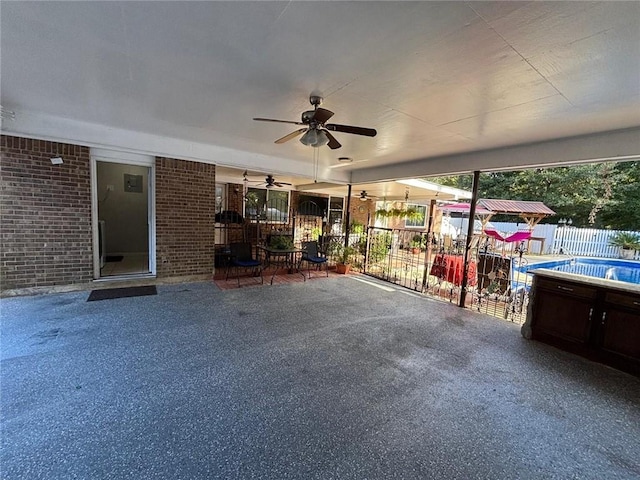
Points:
(281, 242)
(379, 246)
(316, 232)
(598, 195)
(344, 254)
(417, 241)
(356, 227)
(408, 213)
(630, 241)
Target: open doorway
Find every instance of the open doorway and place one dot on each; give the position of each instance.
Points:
(124, 237)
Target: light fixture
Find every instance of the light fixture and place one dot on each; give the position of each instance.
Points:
(57, 161)
(309, 138)
(314, 138)
(323, 139)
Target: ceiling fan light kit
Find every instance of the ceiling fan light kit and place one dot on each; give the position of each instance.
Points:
(315, 138)
(316, 134)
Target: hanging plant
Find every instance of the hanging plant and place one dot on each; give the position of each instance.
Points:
(407, 213)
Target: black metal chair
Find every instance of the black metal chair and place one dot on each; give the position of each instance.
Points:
(313, 256)
(240, 257)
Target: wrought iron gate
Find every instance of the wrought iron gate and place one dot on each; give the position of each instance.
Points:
(435, 267)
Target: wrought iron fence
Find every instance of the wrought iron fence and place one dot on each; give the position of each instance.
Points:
(435, 267)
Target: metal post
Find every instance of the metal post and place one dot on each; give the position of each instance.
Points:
(347, 218)
(472, 215)
(427, 252)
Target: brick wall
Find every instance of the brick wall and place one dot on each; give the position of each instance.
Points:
(185, 215)
(45, 220)
(368, 210)
(235, 232)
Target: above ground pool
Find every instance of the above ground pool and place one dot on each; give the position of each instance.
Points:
(620, 270)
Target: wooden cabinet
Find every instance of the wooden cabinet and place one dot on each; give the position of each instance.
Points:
(619, 330)
(595, 320)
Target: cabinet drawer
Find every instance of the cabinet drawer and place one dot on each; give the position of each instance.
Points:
(566, 288)
(623, 300)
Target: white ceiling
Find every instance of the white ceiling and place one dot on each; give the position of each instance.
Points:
(436, 79)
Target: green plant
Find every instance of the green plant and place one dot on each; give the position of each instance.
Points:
(625, 240)
(356, 228)
(344, 254)
(417, 241)
(316, 232)
(408, 213)
(379, 247)
(281, 242)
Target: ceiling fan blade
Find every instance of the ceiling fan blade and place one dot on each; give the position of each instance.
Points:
(367, 132)
(281, 184)
(333, 143)
(292, 135)
(321, 115)
(278, 121)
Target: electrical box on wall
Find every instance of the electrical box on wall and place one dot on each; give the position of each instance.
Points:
(132, 183)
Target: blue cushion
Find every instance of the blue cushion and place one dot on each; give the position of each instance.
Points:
(247, 263)
(315, 259)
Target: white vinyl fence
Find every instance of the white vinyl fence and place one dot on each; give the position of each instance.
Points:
(587, 242)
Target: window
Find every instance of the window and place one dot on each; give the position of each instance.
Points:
(336, 206)
(267, 205)
(420, 220)
(220, 198)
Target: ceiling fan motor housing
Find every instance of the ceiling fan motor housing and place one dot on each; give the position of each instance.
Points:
(308, 116)
(315, 100)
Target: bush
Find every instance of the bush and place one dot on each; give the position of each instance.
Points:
(380, 246)
(625, 240)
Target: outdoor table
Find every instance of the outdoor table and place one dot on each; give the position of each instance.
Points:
(450, 268)
(289, 258)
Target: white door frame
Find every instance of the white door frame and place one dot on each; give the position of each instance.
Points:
(113, 156)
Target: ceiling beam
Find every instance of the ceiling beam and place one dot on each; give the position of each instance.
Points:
(617, 145)
(65, 130)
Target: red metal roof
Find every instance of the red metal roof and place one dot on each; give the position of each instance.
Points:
(463, 208)
(516, 207)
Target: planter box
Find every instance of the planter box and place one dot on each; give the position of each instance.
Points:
(342, 269)
(627, 253)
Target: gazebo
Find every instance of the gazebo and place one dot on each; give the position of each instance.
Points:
(530, 211)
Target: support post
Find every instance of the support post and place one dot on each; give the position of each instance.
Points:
(429, 245)
(347, 218)
(467, 247)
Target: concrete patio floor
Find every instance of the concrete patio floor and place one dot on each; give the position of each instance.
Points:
(331, 378)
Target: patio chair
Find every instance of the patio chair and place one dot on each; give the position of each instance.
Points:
(313, 256)
(240, 257)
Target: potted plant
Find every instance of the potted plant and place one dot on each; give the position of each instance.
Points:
(627, 242)
(344, 256)
(281, 242)
(417, 242)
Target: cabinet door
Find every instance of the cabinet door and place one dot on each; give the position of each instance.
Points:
(620, 325)
(563, 316)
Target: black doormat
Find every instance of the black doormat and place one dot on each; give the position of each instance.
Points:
(114, 258)
(109, 293)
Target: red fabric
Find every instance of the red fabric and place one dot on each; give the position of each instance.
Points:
(450, 268)
(494, 234)
(514, 237)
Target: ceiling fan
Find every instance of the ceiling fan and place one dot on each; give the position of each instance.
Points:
(269, 181)
(364, 196)
(316, 131)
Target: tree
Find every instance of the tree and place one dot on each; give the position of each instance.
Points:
(601, 195)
